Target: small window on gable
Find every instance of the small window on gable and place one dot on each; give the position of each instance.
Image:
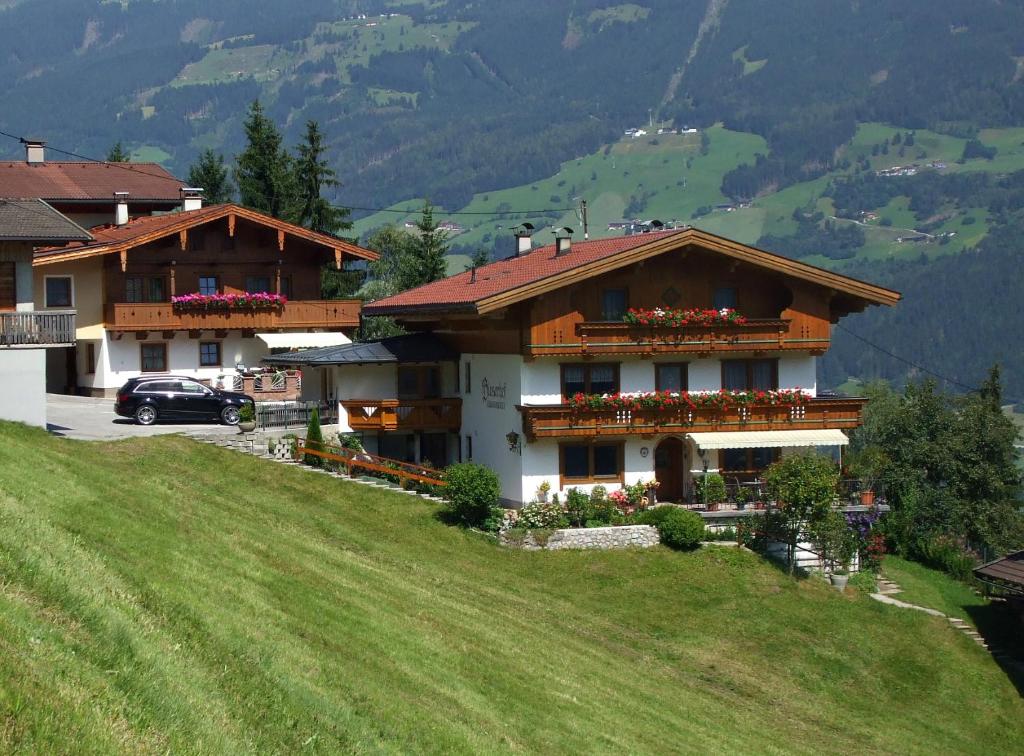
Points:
(725, 297)
(58, 291)
(613, 304)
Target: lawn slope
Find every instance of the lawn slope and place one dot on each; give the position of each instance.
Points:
(158, 594)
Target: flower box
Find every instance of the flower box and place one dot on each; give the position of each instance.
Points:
(722, 399)
(220, 302)
(678, 318)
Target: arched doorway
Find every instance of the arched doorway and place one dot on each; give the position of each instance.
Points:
(669, 469)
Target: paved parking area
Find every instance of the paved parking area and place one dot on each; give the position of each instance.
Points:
(94, 420)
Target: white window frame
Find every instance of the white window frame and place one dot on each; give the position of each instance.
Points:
(46, 300)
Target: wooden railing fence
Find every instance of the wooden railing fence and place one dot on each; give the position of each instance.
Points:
(353, 461)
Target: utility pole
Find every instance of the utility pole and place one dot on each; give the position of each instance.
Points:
(583, 214)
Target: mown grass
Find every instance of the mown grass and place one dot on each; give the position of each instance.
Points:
(162, 595)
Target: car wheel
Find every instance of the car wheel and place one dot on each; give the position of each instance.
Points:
(145, 415)
(229, 415)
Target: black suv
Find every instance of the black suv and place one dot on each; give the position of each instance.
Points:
(171, 397)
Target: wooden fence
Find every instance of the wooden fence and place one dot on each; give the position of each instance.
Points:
(353, 461)
(294, 414)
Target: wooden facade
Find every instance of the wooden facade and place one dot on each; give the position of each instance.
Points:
(783, 314)
(374, 415)
(562, 421)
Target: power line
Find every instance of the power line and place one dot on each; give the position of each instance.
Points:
(165, 177)
(905, 361)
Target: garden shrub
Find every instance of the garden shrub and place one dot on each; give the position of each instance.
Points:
(577, 507)
(681, 529)
(314, 439)
(863, 581)
(472, 492)
(948, 554)
(542, 514)
(350, 441)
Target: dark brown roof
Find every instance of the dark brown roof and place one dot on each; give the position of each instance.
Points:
(514, 279)
(111, 239)
(1009, 569)
(35, 221)
(93, 182)
(408, 348)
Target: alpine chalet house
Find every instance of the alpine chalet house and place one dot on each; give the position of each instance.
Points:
(197, 292)
(26, 335)
(655, 356)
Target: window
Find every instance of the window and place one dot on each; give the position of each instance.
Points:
(613, 304)
(286, 287)
(158, 387)
(670, 376)
(8, 293)
(469, 448)
(591, 462)
(748, 460)
(419, 381)
(725, 296)
(191, 387)
(750, 375)
(154, 358)
(469, 378)
(434, 449)
(208, 285)
(209, 354)
(90, 357)
(156, 290)
(257, 284)
(144, 289)
(397, 446)
(596, 378)
(58, 291)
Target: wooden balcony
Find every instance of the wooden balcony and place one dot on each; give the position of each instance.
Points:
(403, 414)
(598, 339)
(562, 421)
(163, 316)
(46, 328)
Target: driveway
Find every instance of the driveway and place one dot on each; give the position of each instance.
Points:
(94, 420)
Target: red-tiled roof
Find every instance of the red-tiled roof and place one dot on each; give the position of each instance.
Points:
(465, 289)
(108, 239)
(66, 181)
(515, 279)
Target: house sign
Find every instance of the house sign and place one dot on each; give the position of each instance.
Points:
(493, 395)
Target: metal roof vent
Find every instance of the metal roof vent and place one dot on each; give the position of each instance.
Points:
(523, 233)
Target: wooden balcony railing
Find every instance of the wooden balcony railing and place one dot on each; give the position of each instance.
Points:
(625, 338)
(46, 328)
(163, 316)
(403, 414)
(558, 421)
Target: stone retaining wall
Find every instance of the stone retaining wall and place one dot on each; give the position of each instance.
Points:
(622, 537)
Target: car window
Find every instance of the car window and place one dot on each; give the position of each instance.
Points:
(158, 387)
(191, 387)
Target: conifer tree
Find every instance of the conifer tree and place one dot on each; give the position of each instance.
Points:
(430, 250)
(211, 175)
(314, 440)
(312, 176)
(264, 168)
(118, 154)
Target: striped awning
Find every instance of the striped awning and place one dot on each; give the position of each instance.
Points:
(769, 439)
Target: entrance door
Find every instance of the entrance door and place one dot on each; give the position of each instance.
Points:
(668, 469)
(8, 295)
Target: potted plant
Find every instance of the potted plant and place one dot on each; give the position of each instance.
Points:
(710, 490)
(742, 496)
(246, 418)
(542, 491)
(866, 466)
(652, 492)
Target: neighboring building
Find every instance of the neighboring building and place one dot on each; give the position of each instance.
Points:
(496, 356)
(88, 192)
(25, 334)
(123, 283)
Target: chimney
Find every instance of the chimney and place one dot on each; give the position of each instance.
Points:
(563, 241)
(121, 210)
(524, 242)
(191, 198)
(35, 151)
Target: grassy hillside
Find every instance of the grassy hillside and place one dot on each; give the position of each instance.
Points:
(163, 595)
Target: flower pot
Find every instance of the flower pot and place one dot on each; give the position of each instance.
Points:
(839, 581)
(246, 426)
(867, 498)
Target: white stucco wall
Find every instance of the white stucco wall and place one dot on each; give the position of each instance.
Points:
(24, 382)
(489, 416)
(540, 463)
(362, 382)
(799, 371)
(121, 359)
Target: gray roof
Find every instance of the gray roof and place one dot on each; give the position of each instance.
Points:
(32, 220)
(413, 347)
